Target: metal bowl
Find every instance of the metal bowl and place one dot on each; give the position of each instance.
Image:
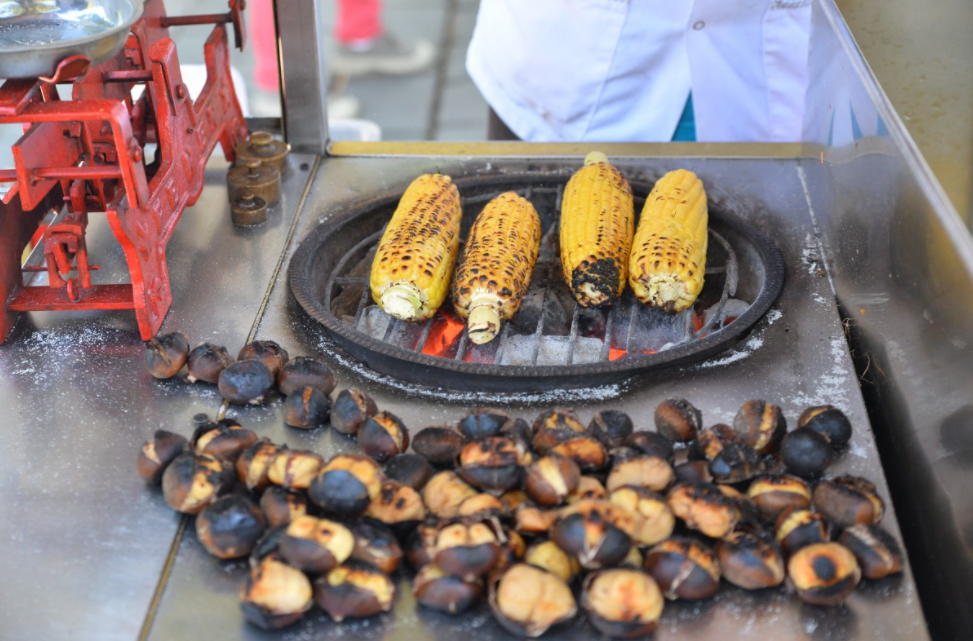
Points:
(35, 35)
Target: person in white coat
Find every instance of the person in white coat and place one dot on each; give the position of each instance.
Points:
(632, 70)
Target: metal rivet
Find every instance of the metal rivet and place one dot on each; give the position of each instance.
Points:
(699, 25)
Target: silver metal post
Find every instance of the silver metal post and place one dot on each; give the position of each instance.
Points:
(303, 81)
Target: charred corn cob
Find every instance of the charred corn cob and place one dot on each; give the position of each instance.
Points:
(415, 258)
(669, 253)
(597, 221)
(494, 271)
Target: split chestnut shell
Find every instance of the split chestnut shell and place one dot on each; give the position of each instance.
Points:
(267, 352)
(157, 453)
(275, 595)
(622, 603)
(351, 408)
(824, 573)
(230, 527)
(383, 436)
(165, 355)
(437, 590)
(527, 600)
(467, 548)
(316, 545)
(847, 500)
(346, 485)
(684, 569)
(705, 508)
(596, 532)
(354, 590)
(193, 481)
(302, 372)
(678, 420)
(206, 362)
(750, 561)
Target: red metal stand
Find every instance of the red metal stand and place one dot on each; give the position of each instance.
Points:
(85, 155)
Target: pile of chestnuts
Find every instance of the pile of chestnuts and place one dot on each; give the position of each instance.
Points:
(539, 520)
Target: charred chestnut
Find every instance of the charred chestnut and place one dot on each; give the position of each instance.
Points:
(267, 352)
(824, 573)
(877, 552)
(651, 444)
(775, 494)
(157, 453)
(805, 452)
(650, 472)
(530, 519)
(268, 547)
(548, 556)
(294, 469)
(587, 451)
(847, 500)
(828, 421)
(439, 445)
(223, 440)
(398, 506)
(316, 545)
(376, 545)
(684, 569)
(467, 548)
(230, 527)
(736, 463)
(245, 382)
(797, 528)
(383, 436)
(494, 464)
(596, 532)
(253, 465)
(761, 425)
(482, 423)
(193, 481)
(693, 472)
(652, 518)
(275, 595)
(622, 603)
(527, 600)
(704, 508)
(420, 543)
(517, 428)
(444, 493)
(408, 469)
(482, 505)
(512, 550)
(551, 479)
(711, 441)
(302, 372)
(352, 407)
(165, 355)
(622, 454)
(281, 507)
(747, 512)
(750, 561)
(206, 362)
(612, 427)
(307, 408)
(437, 590)
(354, 590)
(346, 485)
(678, 420)
(589, 488)
(559, 419)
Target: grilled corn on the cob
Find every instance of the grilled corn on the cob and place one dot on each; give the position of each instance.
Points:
(669, 254)
(494, 271)
(597, 221)
(415, 258)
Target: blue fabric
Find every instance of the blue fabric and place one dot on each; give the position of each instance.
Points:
(686, 127)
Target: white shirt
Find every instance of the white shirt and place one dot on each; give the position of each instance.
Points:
(621, 70)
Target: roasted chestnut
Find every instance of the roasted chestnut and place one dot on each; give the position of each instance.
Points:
(223, 440)
(650, 472)
(281, 507)
(651, 444)
(157, 453)
(828, 421)
(736, 463)
(268, 547)
(847, 500)
(275, 595)
(596, 532)
(517, 428)
(622, 454)
(805, 452)
(774, 494)
(346, 485)
(692, 472)
(678, 420)
(877, 552)
(408, 469)
(376, 545)
(419, 544)
(747, 512)
(354, 590)
(750, 561)
(267, 352)
(253, 465)
(383, 436)
(823, 573)
(512, 500)
(612, 427)
(761, 425)
(558, 419)
(444, 493)
(206, 362)
(797, 528)
(245, 382)
(316, 545)
(704, 507)
(482, 423)
(622, 603)
(230, 527)
(530, 519)
(551, 479)
(398, 506)
(439, 445)
(437, 590)
(482, 505)
(527, 600)
(193, 481)
(294, 469)
(711, 441)
(587, 451)
(547, 555)
(307, 408)
(165, 355)
(512, 550)
(351, 408)
(494, 464)
(302, 372)
(467, 548)
(684, 569)
(588, 488)
(653, 520)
